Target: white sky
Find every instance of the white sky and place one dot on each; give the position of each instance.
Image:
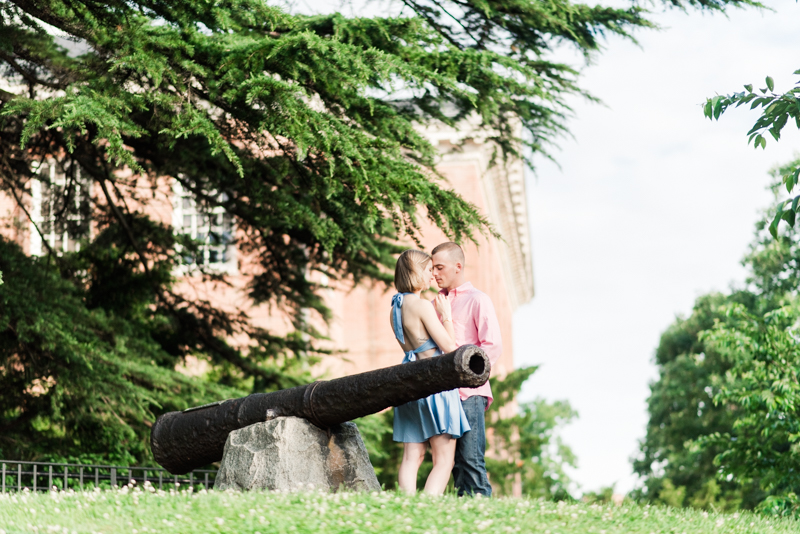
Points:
(653, 206)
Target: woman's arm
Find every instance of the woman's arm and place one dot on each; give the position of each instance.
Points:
(442, 334)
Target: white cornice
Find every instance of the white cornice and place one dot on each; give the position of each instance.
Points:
(503, 185)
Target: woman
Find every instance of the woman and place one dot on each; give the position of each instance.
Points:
(438, 419)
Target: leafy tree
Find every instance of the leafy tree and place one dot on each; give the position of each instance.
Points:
(682, 410)
(774, 261)
(532, 451)
(78, 383)
(293, 125)
(709, 366)
(776, 111)
(761, 390)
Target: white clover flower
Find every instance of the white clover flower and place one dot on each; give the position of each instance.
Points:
(219, 520)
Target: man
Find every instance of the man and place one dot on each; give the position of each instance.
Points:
(475, 323)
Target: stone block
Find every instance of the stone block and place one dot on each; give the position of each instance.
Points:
(290, 453)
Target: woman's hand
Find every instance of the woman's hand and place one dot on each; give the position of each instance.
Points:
(442, 306)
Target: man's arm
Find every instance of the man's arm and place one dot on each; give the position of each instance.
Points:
(488, 327)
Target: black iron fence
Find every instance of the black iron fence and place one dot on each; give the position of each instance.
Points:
(44, 476)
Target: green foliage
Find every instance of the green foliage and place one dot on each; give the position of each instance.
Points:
(79, 383)
(777, 109)
(525, 444)
(775, 261)
(384, 453)
(345, 512)
(762, 390)
(527, 441)
(603, 496)
(682, 410)
(723, 411)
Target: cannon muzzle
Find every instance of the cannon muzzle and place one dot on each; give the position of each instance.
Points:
(187, 440)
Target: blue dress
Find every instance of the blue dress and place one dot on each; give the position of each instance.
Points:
(441, 413)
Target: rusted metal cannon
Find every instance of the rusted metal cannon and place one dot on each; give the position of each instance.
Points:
(187, 440)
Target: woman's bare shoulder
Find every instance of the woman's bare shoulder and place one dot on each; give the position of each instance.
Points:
(421, 305)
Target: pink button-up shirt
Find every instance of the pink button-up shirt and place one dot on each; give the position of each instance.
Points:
(475, 323)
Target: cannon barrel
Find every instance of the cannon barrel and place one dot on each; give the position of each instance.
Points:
(187, 440)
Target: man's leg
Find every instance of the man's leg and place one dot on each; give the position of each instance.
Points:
(469, 472)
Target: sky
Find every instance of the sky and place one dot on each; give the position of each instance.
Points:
(652, 206)
(649, 206)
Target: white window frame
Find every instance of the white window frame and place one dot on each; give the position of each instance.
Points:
(38, 220)
(184, 206)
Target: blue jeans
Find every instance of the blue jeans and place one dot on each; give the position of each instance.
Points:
(469, 472)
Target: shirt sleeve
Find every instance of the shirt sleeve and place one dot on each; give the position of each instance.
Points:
(488, 330)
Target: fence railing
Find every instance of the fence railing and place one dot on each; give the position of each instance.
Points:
(44, 476)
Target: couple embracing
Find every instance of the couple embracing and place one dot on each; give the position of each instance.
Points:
(451, 422)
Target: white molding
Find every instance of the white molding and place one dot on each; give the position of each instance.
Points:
(231, 266)
(503, 187)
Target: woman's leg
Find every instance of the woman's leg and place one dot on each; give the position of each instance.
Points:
(413, 454)
(443, 450)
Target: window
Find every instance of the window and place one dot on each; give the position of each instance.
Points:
(212, 228)
(60, 210)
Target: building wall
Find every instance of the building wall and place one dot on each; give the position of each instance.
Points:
(12, 222)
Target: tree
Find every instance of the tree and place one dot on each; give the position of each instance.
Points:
(292, 125)
(762, 391)
(705, 411)
(682, 410)
(776, 110)
(532, 451)
(80, 383)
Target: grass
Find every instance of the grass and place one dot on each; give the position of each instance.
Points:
(135, 511)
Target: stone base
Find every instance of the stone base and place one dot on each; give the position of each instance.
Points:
(289, 453)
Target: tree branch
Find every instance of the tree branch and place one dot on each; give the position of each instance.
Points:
(36, 9)
(30, 78)
(121, 219)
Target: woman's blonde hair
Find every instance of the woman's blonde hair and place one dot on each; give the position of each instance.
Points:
(408, 276)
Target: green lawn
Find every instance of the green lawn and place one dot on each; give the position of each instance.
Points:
(137, 511)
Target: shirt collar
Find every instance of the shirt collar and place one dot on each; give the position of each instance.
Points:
(463, 288)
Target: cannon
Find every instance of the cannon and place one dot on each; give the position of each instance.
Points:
(187, 440)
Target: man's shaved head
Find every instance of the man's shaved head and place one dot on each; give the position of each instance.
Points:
(452, 250)
(448, 266)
